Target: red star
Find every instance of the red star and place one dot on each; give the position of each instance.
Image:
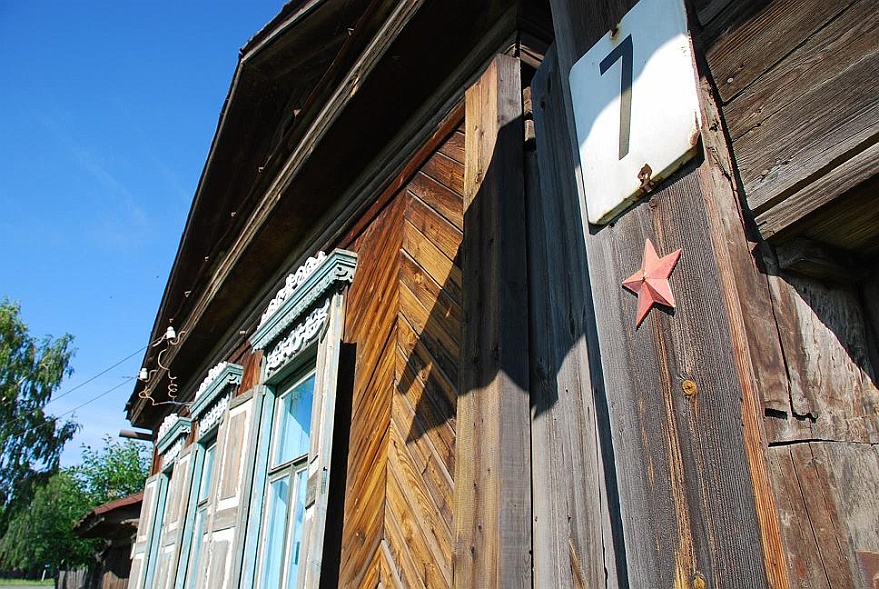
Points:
(650, 283)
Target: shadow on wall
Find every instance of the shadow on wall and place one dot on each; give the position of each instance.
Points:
(561, 371)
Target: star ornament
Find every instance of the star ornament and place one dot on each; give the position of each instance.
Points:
(650, 282)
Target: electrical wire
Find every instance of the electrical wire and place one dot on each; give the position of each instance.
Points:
(95, 398)
(102, 373)
(54, 419)
(54, 398)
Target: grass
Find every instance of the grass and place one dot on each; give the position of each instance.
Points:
(7, 582)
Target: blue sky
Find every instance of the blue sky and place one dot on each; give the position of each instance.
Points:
(107, 111)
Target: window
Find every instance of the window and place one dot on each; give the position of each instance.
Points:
(300, 334)
(286, 481)
(208, 409)
(199, 537)
(171, 500)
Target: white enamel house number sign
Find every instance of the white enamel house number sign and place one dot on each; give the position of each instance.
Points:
(636, 107)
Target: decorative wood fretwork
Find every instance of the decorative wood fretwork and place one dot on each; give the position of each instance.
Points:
(171, 436)
(287, 307)
(293, 281)
(299, 338)
(286, 315)
(212, 396)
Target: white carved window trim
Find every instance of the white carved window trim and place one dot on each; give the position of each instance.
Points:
(171, 438)
(212, 397)
(301, 330)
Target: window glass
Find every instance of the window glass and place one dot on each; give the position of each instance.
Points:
(275, 529)
(293, 421)
(207, 471)
(298, 514)
(199, 539)
(286, 482)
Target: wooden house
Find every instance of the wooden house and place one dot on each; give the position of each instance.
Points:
(114, 522)
(396, 350)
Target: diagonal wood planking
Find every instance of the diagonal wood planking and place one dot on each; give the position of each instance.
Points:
(404, 317)
(422, 434)
(371, 325)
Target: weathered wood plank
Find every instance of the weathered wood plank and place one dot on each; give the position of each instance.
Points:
(822, 61)
(428, 534)
(739, 58)
(425, 288)
(446, 171)
(372, 309)
(407, 569)
(453, 148)
(492, 490)
(428, 412)
(419, 356)
(857, 501)
(833, 382)
(422, 435)
(372, 297)
(758, 357)
(446, 201)
(444, 346)
(684, 477)
(443, 270)
(388, 569)
(753, 296)
(801, 546)
(777, 148)
(573, 544)
(435, 228)
(852, 228)
(365, 498)
(424, 452)
(819, 508)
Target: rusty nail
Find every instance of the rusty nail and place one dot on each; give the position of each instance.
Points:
(689, 387)
(644, 177)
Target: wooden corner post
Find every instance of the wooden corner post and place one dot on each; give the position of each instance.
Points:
(682, 419)
(492, 481)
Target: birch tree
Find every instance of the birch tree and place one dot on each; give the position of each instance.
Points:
(30, 440)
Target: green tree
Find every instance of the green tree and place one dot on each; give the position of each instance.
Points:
(115, 471)
(43, 534)
(30, 441)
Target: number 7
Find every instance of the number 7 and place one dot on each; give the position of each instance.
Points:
(622, 51)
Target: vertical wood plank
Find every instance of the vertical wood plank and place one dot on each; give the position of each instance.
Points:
(685, 489)
(143, 539)
(221, 564)
(573, 544)
(492, 490)
(746, 298)
(320, 455)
